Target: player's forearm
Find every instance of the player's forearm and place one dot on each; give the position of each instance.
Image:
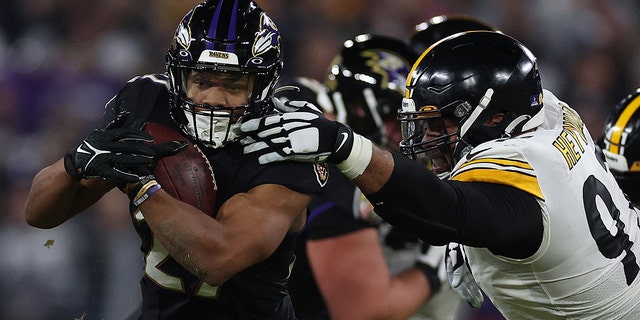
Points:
(407, 293)
(201, 244)
(191, 237)
(396, 297)
(417, 201)
(374, 294)
(377, 172)
(55, 197)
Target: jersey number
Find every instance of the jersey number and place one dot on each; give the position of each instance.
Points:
(155, 258)
(611, 246)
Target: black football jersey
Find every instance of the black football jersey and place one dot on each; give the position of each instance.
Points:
(170, 291)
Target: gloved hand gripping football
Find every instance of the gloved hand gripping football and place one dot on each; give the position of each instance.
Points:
(106, 152)
(302, 133)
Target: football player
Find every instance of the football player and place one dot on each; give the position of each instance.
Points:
(620, 143)
(363, 87)
(426, 34)
(548, 232)
(233, 262)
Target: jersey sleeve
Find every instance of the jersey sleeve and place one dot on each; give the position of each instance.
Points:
(337, 209)
(240, 173)
(496, 163)
(297, 176)
(481, 214)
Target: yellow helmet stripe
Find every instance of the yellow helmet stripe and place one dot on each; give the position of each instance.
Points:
(413, 68)
(415, 65)
(515, 179)
(621, 123)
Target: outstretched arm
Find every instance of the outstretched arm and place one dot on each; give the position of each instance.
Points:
(404, 193)
(377, 172)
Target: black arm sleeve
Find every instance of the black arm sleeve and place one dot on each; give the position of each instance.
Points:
(504, 219)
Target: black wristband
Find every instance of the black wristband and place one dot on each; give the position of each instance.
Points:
(431, 274)
(70, 166)
(343, 145)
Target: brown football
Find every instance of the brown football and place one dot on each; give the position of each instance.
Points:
(187, 175)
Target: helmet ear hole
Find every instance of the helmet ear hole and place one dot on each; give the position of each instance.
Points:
(495, 120)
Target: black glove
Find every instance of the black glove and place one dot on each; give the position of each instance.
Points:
(105, 152)
(302, 133)
(429, 260)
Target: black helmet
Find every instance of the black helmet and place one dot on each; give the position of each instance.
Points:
(305, 89)
(366, 82)
(230, 36)
(620, 144)
(486, 82)
(440, 27)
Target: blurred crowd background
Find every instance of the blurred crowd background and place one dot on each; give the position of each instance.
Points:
(62, 60)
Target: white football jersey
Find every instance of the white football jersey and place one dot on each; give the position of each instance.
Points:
(588, 264)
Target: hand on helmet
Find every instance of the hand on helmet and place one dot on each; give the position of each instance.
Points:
(301, 133)
(294, 105)
(460, 277)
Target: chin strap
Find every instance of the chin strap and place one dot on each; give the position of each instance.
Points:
(482, 105)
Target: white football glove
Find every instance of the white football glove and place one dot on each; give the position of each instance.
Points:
(294, 105)
(302, 133)
(460, 276)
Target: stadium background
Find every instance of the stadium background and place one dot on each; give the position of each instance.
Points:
(61, 60)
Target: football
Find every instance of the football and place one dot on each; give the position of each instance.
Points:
(187, 175)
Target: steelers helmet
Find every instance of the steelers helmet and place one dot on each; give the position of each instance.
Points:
(366, 82)
(440, 27)
(486, 82)
(229, 36)
(620, 143)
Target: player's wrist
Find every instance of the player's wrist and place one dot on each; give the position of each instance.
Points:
(70, 166)
(144, 188)
(431, 274)
(145, 192)
(359, 157)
